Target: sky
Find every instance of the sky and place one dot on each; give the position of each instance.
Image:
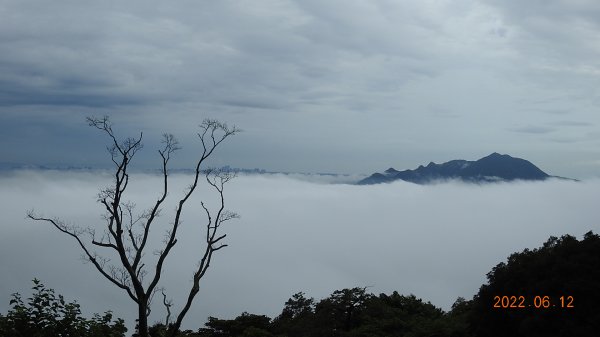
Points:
(434, 241)
(317, 86)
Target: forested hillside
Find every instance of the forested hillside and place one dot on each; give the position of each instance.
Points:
(552, 290)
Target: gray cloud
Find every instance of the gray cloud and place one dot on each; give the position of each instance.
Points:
(355, 81)
(571, 123)
(557, 111)
(533, 129)
(546, 23)
(437, 242)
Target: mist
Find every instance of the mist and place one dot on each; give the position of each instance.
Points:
(434, 241)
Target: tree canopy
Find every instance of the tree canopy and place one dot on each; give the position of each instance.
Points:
(46, 315)
(564, 272)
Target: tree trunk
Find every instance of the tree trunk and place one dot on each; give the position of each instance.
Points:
(142, 319)
(173, 330)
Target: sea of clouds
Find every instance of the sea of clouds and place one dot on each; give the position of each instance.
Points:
(435, 241)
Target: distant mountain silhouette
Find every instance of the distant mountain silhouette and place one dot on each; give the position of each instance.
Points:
(495, 167)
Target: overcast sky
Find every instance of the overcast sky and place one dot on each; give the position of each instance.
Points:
(328, 86)
(436, 241)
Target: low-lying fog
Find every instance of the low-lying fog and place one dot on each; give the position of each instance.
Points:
(436, 241)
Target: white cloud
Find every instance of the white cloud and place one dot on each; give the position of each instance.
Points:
(437, 241)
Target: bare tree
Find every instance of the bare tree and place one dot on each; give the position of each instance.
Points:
(126, 233)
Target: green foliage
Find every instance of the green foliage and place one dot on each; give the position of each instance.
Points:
(46, 315)
(296, 316)
(456, 321)
(298, 306)
(340, 312)
(397, 315)
(244, 325)
(160, 330)
(346, 312)
(561, 267)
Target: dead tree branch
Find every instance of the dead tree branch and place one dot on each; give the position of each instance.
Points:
(126, 233)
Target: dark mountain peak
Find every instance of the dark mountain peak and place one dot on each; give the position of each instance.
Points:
(494, 167)
(497, 156)
(507, 168)
(375, 178)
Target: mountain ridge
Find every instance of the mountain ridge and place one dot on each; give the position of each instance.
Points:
(492, 168)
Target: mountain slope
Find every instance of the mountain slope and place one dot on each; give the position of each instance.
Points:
(495, 167)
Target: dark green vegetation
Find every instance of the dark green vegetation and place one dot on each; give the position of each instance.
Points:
(46, 315)
(562, 267)
(537, 279)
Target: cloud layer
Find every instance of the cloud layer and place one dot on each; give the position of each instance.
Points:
(342, 86)
(435, 241)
